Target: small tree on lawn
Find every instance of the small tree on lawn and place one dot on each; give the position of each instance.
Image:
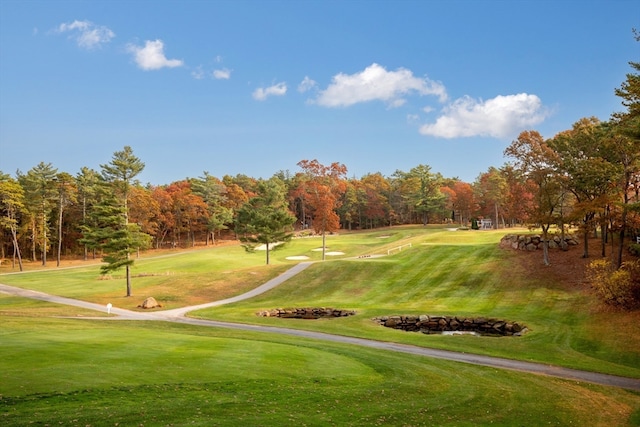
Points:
(265, 218)
(323, 189)
(116, 238)
(111, 231)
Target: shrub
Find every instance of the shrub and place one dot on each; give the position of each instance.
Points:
(634, 248)
(616, 287)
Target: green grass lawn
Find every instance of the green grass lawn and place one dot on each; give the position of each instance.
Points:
(79, 371)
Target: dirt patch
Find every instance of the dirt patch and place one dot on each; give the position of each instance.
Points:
(567, 267)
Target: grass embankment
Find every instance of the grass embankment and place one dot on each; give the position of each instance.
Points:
(70, 371)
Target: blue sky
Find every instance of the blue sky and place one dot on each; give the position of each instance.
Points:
(253, 87)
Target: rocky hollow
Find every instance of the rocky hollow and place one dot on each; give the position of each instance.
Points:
(442, 324)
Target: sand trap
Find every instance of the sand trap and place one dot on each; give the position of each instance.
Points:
(264, 247)
(297, 258)
(334, 253)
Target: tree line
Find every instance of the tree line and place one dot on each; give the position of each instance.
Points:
(587, 176)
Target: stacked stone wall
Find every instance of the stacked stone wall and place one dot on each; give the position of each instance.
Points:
(439, 324)
(533, 242)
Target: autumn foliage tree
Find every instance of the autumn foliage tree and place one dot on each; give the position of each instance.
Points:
(490, 190)
(463, 201)
(189, 211)
(323, 190)
(580, 159)
(376, 205)
(536, 161)
(11, 203)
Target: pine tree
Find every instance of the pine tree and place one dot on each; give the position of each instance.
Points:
(111, 231)
(110, 234)
(265, 219)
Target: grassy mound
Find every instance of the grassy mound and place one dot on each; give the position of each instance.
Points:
(79, 371)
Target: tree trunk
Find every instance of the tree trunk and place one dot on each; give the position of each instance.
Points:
(33, 240)
(267, 253)
(84, 221)
(623, 226)
(44, 239)
(16, 248)
(620, 249)
(545, 246)
(585, 253)
(59, 235)
(324, 246)
(128, 274)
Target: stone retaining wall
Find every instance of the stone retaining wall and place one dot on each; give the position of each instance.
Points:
(306, 313)
(439, 324)
(533, 242)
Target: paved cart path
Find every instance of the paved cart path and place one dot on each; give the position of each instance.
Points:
(178, 315)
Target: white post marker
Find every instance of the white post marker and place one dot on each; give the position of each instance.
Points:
(109, 308)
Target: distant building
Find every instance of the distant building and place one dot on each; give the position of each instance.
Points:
(485, 224)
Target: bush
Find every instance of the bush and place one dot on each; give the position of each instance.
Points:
(634, 248)
(620, 287)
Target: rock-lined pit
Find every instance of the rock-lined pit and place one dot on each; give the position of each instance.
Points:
(440, 324)
(306, 313)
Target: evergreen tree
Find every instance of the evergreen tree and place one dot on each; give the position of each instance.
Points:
(265, 219)
(40, 195)
(110, 233)
(87, 181)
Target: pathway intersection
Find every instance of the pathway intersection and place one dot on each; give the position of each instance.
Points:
(179, 316)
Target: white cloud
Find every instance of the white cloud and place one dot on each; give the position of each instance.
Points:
(87, 34)
(278, 89)
(222, 74)
(198, 73)
(376, 83)
(306, 84)
(151, 56)
(413, 118)
(500, 117)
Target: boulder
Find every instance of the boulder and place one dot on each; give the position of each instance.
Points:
(149, 303)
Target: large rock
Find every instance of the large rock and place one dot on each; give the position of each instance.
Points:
(149, 303)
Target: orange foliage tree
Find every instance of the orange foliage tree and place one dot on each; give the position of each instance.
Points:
(323, 189)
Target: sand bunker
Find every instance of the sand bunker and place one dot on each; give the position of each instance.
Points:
(297, 258)
(332, 253)
(264, 247)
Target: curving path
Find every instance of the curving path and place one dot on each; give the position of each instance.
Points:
(178, 315)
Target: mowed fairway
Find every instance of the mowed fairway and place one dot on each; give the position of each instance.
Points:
(79, 371)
